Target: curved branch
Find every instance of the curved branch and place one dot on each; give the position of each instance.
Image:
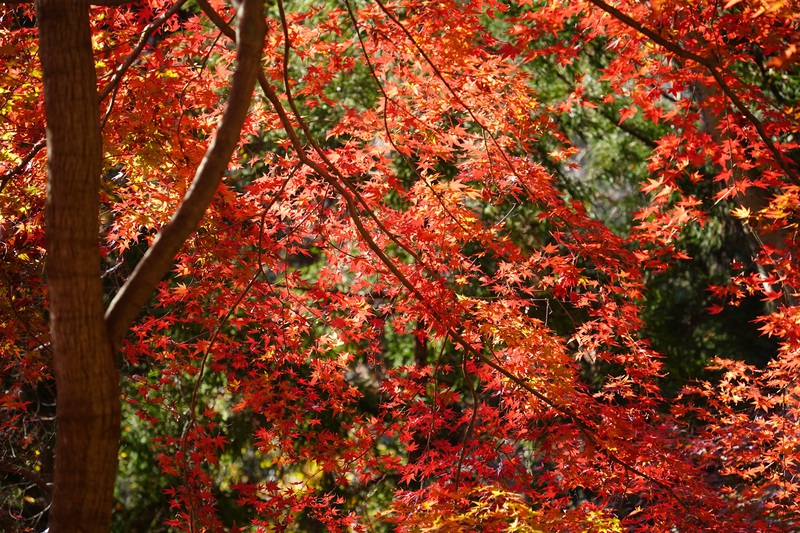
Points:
(582, 426)
(19, 167)
(447, 326)
(28, 475)
(216, 19)
(113, 85)
(715, 72)
(386, 101)
(158, 259)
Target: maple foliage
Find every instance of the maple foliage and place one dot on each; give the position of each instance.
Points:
(394, 313)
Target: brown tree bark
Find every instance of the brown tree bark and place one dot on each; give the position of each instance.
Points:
(88, 403)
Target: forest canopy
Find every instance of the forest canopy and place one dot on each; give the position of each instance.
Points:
(410, 265)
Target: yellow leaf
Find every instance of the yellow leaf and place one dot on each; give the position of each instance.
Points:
(741, 213)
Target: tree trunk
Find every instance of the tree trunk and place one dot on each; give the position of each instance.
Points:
(88, 409)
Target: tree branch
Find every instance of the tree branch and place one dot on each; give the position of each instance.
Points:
(443, 321)
(158, 259)
(712, 68)
(19, 167)
(218, 21)
(29, 475)
(112, 86)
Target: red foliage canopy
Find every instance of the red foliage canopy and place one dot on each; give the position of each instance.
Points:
(386, 153)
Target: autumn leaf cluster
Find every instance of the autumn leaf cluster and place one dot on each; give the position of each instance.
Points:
(398, 312)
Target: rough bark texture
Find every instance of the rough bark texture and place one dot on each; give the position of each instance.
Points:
(88, 409)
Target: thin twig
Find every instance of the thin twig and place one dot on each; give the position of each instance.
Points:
(437, 71)
(259, 272)
(334, 171)
(715, 72)
(446, 324)
(113, 85)
(23, 163)
(468, 433)
(386, 101)
(29, 475)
